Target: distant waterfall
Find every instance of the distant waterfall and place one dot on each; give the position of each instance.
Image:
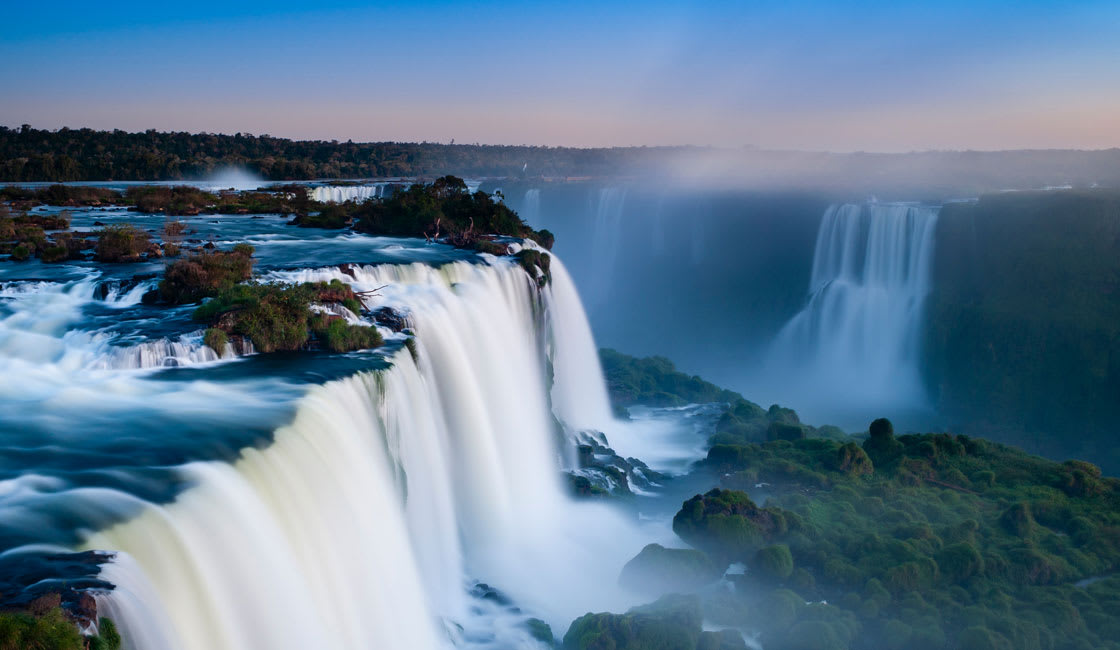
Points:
(365, 520)
(857, 341)
(343, 193)
(531, 207)
(605, 242)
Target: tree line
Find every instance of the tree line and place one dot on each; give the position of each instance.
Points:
(29, 155)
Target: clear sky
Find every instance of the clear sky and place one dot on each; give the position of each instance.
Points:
(874, 76)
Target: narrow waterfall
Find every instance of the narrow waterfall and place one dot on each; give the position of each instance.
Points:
(856, 343)
(531, 207)
(606, 239)
(366, 520)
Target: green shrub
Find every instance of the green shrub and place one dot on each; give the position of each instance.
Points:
(725, 523)
(54, 254)
(200, 276)
(21, 253)
(774, 562)
(121, 243)
(216, 340)
(671, 623)
(340, 336)
(663, 570)
(959, 562)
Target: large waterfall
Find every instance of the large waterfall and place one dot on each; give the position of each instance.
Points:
(369, 517)
(856, 343)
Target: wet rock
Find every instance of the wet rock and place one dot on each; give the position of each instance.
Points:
(391, 318)
(483, 591)
(608, 472)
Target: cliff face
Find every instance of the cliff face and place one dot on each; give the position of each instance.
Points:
(1023, 341)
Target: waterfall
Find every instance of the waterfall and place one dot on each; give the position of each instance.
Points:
(531, 207)
(857, 341)
(343, 193)
(605, 242)
(366, 520)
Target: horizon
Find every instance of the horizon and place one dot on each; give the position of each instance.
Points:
(708, 147)
(808, 76)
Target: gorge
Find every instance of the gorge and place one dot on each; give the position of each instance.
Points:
(478, 474)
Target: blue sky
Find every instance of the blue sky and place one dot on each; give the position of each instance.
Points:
(876, 76)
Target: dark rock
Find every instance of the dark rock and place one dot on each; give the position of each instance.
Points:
(484, 591)
(391, 318)
(44, 604)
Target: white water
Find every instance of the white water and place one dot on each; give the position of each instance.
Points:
(362, 524)
(606, 241)
(531, 207)
(856, 343)
(343, 193)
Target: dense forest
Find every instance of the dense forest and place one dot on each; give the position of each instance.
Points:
(28, 155)
(873, 541)
(64, 155)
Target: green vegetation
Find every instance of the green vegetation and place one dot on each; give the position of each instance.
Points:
(25, 235)
(536, 264)
(945, 541)
(60, 195)
(671, 623)
(664, 570)
(654, 381)
(727, 524)
(917, 541)
(121, 243)
(278, 317)
(216, 340)
(1024, 336)
(206, 274)
(187, 200)
(334, 216)
(28, 154)
(51, 630)
(444, 208)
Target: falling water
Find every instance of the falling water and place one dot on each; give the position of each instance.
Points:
(343, 193)
(856, 343)
(606, 241)
(531, 207)
(366, 520)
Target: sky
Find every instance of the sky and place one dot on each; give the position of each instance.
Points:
(797, 74)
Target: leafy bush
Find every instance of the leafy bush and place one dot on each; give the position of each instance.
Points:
(773, 562)
(216, 340)
(199, 276)
(121, 243)
(671, 623)
(278, 317)
(340, 336)
(726, 523)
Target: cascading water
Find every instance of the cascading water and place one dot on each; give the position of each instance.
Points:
(531, 206)
(605, 242)
(366, 520)
(343, 193)
(855, 345)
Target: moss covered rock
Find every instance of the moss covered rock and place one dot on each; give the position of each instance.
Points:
(657, 569)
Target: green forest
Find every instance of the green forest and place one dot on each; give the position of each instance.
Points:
(34, 155)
